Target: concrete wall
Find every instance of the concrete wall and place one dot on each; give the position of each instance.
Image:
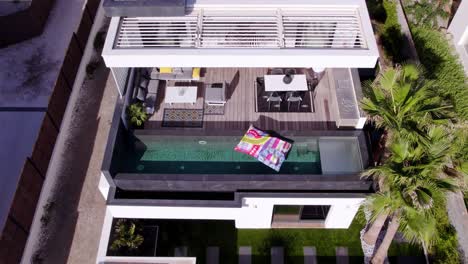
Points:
(18, 223)
(459, 30)
(255, 212)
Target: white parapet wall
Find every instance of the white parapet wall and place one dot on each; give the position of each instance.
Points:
(255, 212)
(346, 91)
(104, 186)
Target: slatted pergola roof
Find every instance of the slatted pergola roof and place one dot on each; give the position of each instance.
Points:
(246, 31)
(272, 28)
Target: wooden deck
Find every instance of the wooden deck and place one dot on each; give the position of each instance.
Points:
(240, 107)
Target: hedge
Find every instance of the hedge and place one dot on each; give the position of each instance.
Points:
(384, 13)
(442, 66)
(392, 38)
(445, 248)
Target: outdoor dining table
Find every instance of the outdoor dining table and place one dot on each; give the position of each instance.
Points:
(275, 83)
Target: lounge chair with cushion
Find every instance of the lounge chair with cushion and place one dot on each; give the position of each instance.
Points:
(215, 94)
(175, 73)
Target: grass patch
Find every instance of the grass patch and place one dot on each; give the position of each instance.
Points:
(324, 240)
(197, 235)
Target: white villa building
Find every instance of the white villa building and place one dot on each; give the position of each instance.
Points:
(459, 29)
(204, 71)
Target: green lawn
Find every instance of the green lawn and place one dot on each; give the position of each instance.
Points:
(324, 240)
(197, 235)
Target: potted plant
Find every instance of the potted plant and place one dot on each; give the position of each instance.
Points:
(137, 115)
(126, 237)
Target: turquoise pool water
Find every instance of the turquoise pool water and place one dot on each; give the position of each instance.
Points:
(212, 155)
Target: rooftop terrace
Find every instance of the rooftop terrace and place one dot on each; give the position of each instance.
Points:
(241, 108)
(201, 158)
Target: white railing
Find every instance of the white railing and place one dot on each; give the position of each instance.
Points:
(157, 32)
(269, 28)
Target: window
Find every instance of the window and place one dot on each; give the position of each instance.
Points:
(315, 212)
(300, 212)
(287, 209)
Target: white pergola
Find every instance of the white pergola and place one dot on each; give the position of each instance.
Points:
(247, 33)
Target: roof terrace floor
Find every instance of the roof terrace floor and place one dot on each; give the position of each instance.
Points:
(240, 109)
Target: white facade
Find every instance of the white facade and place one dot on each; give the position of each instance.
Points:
(340, 36)
(145, 50)
(255, 212)
(459, 30)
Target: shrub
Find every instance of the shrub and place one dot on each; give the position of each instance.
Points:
(126, 236)
(376, 10)
(443, 67)
(445, 250)
(426, 12)
(91, 68)
(392, 38)
(136, 114)
(99, 40)
(388, 28)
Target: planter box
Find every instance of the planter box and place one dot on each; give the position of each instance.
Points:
(146, 249)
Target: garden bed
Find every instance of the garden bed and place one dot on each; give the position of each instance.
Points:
(147, 248)
(197, 235)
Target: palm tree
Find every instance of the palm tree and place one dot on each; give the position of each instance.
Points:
(126, 236)
(412, 179)
(400, 99)
(427, 12)
(418, 226)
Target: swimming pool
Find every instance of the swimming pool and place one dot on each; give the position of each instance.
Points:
(212, 155)
(216, 155)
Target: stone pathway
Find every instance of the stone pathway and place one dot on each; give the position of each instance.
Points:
(212, 255)
(277, 255)
(458, 216)
(342, 255)
(310, 255)
(245, 255)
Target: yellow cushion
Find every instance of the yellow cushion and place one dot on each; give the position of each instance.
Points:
(196, 73)
(165, 70)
